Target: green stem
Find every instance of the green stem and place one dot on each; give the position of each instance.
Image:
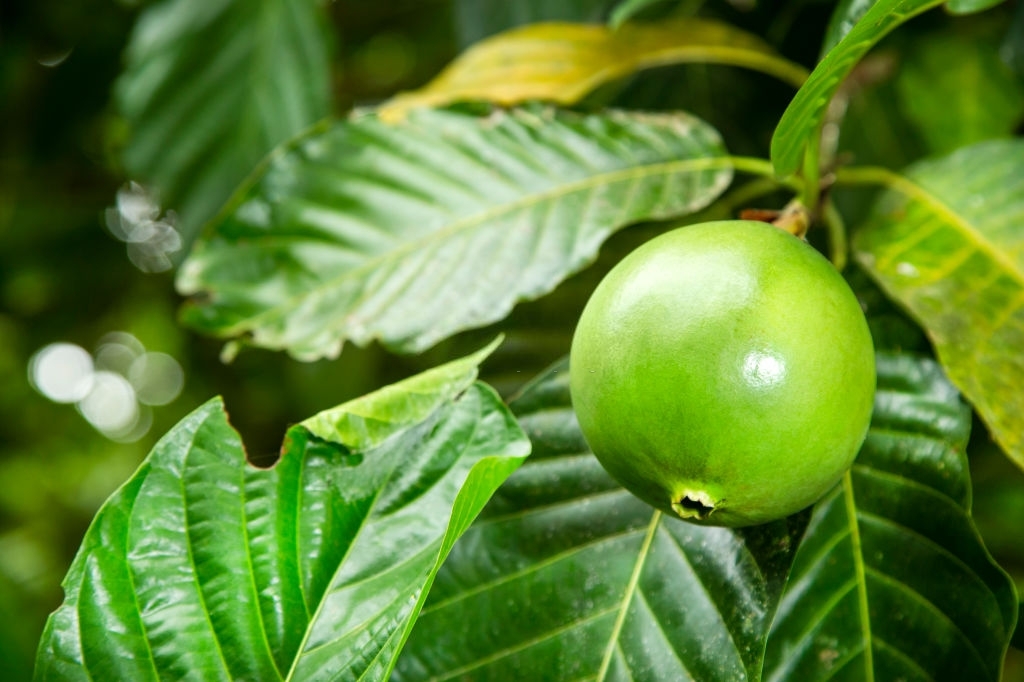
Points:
(836, 235)
(811, 174)
(874, 175)
(762, 167)
(743, 195)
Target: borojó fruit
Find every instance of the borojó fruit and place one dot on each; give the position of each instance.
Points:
(724, 373)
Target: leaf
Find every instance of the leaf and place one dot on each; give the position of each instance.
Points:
(566, 576)
(627, 9)
(844, 17)
(957, 90)
(210, 86)
(202, 565)
(892, 581)
(970, 6)
(945, 242)
(410, 233)
(802, 120)
(562, 62)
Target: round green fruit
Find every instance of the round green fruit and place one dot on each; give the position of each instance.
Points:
(724, 373)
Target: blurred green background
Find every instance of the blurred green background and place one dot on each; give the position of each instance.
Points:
(66, 279)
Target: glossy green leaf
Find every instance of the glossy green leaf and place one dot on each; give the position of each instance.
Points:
(204, 567)
(801, 122)
(412, 232)
(892, 581)
(211, 86)
(566, 576)
(562, 62)
(946, 243)
(957, 90)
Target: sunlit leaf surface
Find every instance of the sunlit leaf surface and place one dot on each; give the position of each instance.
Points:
(947, 243)
(211, 86)
(204, 567)
(562, 62)
(566, 576)
(802, 120)
(892, 581)
(412, 232)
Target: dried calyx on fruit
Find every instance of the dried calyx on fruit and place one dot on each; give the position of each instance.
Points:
(724, 373)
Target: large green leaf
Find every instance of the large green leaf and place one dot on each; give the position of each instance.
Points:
(562, 62)
(946, 242)
(210, 86)
(409, 233)
(204, 567)
(957, 90)
(566, 576)
(892, 581)
(800, 124)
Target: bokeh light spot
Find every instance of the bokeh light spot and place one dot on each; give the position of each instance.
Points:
(110, 406)
(157, 378)
(63, 372)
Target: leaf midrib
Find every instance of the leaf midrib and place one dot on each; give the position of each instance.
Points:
(627, 598)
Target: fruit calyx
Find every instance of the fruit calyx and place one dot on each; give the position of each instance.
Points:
(695, 504)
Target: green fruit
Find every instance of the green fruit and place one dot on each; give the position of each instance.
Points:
(724, 373)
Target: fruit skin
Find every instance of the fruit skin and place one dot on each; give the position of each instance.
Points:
(724, 373)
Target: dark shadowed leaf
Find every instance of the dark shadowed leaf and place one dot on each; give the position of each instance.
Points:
(204, 567)
(566, 576)
(627, 9)
(892, 581)
(412, 232)
(211, 86)
(803, 118)
(561, 62)
(945, 242)
(478, 19)
(956, 89)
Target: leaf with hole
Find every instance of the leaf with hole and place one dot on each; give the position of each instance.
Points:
(204, 566)
(413, 232)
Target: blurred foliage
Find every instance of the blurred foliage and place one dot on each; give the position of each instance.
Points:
(63, 277)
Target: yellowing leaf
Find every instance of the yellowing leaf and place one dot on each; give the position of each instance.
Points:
(562, 62)
(948, 243)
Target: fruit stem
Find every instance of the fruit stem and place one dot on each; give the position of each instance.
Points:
(794, 219)
(811, 173)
